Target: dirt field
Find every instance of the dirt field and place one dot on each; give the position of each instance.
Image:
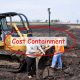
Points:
(71, 61)
(71, 70)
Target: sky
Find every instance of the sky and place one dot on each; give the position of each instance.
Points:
(64, 10)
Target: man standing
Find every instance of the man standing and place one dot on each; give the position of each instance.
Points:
(32, 50)
(59, 50)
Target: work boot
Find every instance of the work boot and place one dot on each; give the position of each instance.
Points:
(29, 76)
(53, 68)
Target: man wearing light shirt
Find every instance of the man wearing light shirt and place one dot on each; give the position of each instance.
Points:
(32, 50)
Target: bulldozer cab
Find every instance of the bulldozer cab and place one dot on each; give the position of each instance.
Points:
(8, 20)
(14, 25)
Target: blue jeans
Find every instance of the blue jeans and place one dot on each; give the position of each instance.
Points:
(57, 59)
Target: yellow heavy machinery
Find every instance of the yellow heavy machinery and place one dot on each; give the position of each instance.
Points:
(12, 24)
(10, 28)
(12, 58)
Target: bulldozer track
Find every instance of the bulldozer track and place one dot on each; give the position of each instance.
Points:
(7, 68)
(10, 68)
(7, 63)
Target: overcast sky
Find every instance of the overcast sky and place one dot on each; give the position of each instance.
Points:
(64, 10)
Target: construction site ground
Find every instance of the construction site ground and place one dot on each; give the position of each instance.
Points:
(71, 63)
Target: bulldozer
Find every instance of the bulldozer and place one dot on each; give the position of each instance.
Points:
(12, 58)
(12, 24)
